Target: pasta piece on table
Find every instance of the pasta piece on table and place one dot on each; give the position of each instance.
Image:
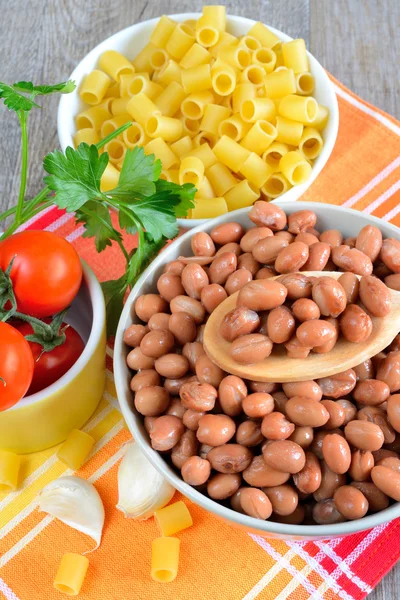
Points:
(164, 559)
(71, 574)
(76, 448)
(9, 470)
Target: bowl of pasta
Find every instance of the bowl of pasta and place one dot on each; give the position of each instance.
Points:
(237, 108)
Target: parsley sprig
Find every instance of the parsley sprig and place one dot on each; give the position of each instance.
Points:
(147, 205)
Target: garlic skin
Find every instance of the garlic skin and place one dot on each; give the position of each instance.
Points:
(75, 502)
(141, 489)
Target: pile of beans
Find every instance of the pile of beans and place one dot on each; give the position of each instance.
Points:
(312, 452)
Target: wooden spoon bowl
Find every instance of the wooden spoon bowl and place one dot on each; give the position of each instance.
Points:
(278, 367)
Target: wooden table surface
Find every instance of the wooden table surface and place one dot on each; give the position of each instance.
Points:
(43, 40)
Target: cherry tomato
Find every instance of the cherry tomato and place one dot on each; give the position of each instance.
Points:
(50, 366)
(46, 273)
(16, 366)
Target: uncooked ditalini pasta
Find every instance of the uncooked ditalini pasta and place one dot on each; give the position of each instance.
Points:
(71, 574)
(165, 559)
(75, 450)
(240, 108)
(9, 470)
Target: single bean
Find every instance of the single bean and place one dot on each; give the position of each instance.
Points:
(159, 321)
(202, 244)
(198, 396)
(337, 415)
(152, 401)
(275, 426)
(351, 259)
(231, 247)
(315, 333)
(264, 386)
(230, 458)
(330, 482)
(350, 502)
(190, 306)
(175, 266)
(375, 296)
(149, 304)
(175, 408)
(237, 280)
(308, 479)
(231, 393)
(137, 360)
(265, 214)
(305, 309)
(371, 392)
(364, 435)
(191, 419)
(221, 267)
(365, 370)
(333, 237)
(144, 378)
(389, 371)
(170, 285)
(318, 256)
(258, 405)
(223, 485)
(350, 410)
(192, 351)
(262, 294)
(255, 503)
(166, 432)
(369, 241)
(306, 238)
(212, 295)
(238, 322)
(306, 412)
(284, 456)
(226, 233)
(259, 474)
(183, 327)
(295, 349)
(292, 258)
(330, 296)
(297, 285)
(252, 348)
(362, 463)
(254, 235)
(194, 279)
(351, 286)
(375, 414)
(393, 281)
(134, 334)
(249, 434)
(318, 438)
(208, 372)
(393, 411)
(377, 500)
(339, 385)
(310, 389)
(284, 499)
(336, 453)
(285, 235)
(301, 220)
(266, 250)
(326, 513)
(215, 430)
(248, 262)
(196, 470)
(280, 325)
(265, 273)
(296, 518)
(172, 366)
(390, 254)
(157, 343)
(303, 436)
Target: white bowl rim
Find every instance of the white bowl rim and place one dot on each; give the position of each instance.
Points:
(96, 331)
(301, 531)
(66, 139)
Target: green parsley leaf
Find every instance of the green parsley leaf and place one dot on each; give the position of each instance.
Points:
(156, 215)
(66, 87)
(114, 293)
(97, 222)
(75, 176)
(14, 100)
(138, 174)
(184, 192)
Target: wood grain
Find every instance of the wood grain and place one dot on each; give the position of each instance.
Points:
(43, 40)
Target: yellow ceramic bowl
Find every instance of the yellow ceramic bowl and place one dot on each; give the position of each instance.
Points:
(44, 419)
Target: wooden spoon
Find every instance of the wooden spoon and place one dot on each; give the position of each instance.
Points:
(278, 367)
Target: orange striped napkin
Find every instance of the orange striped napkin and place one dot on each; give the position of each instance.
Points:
(218, 562)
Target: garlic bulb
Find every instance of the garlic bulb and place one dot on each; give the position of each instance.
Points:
(141, 489)
(76, 503)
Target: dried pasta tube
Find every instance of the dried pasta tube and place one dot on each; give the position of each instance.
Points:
(87, 135)
(236, 56)
(194, 105)
(116, 150)
(243, 92)
(134, 136)
(265, 57)
(205, 190)
(168, 128)
(71, 574)
(214, 114)
(191, 127)
(280, 83)
(170, 99)
(305, 83)
(112, 91)
(321, 119)
(242, 194)
(162, 31)
(295, 167)
(173, 518)
(250, 42)
(205, 154)
(288, 131)
(161, 151)
(141, 61)
(191, 170)
(182, 147)
(141, 84)
(207, 33)
(234, 127)
(124, 83)
(225, 39)
(92, 117)
(9, 470)
(112, 124)
(109, 179)
(221, 178)
(115, 64)
(223, 80)
(205, 137)
(264, 35)
(75, 450)
(303, 109)
(182, 38)
(94, 87)
(158, 58)
(256, 170)
(119, 106)
(207, 208)
(230, 153)
(171, 71)
(274, 153)
(197, 79)
(311, 143)
(141, 108)
(165, 559)
(195, 56)
(254, 74)
(258, 108)
(275, 186)
(295, 55)
(173, 175)
(259, 137)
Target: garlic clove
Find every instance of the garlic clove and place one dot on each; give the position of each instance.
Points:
(75, 502)
(141, 488)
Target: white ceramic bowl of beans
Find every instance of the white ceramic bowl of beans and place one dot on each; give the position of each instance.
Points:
(131, 40)
(349, 222)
